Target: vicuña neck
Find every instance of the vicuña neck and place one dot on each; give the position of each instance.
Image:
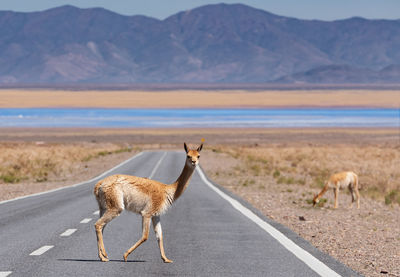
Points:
(179, 186)
(326, 187)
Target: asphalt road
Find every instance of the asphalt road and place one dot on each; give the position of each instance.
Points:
(207, 232)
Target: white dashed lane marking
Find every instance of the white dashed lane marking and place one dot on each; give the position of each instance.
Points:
(5, 273)
(96, 213)
(41, 250)
(86, 220)
(68, 232)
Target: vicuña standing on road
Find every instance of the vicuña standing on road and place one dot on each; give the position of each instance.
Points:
(146, 197)
(341, 180)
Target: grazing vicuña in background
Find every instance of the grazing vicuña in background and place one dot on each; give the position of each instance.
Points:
(146, 197)
(341, 180)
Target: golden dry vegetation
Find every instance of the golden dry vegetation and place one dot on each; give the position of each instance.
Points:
(10, 98)
(39, 162)
(310, 166)
(303, 157)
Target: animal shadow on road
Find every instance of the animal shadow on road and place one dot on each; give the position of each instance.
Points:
(93, 261)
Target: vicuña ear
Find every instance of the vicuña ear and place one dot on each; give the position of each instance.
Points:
(200, 147)
(185, 146)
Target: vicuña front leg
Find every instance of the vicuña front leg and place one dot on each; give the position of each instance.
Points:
(145, 235)
(159, 236)
(100, 225)
(336, 192)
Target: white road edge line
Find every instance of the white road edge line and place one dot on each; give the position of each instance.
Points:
(68, 232)
(86, 220)
(157, 165)
(5, 273)
(315, 264)
(41, 250)
(75, 185)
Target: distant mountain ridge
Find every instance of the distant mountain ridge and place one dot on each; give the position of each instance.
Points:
(344, 74)
(211, 44)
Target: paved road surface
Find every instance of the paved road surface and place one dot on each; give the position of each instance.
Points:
(206, 233)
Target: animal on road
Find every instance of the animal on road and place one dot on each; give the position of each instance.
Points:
(340, 181)
(147, 197)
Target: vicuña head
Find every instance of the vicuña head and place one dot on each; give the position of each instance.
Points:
(193, 156)
(146, 197)
(315, 200)
(318, 196)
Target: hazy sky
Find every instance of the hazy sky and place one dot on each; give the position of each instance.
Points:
(306, 9)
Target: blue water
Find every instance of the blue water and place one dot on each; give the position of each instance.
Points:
(182, 118)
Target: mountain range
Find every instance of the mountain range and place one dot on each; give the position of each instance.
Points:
(211, 44)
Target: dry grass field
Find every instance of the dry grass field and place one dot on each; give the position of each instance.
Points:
(27, 168)
(198, 98)
(276, 170)
(39, 162)
(311, 166)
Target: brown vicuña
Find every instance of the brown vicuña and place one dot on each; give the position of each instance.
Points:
(146, 197)
(341, 180)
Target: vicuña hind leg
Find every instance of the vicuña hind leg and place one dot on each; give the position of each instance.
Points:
(358, 198)
(145, 235)
(159, 236)
(352, 196)
(99, 225)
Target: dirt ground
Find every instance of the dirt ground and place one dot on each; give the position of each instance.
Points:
(183, 98)
(213, 136)
(247, 162)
